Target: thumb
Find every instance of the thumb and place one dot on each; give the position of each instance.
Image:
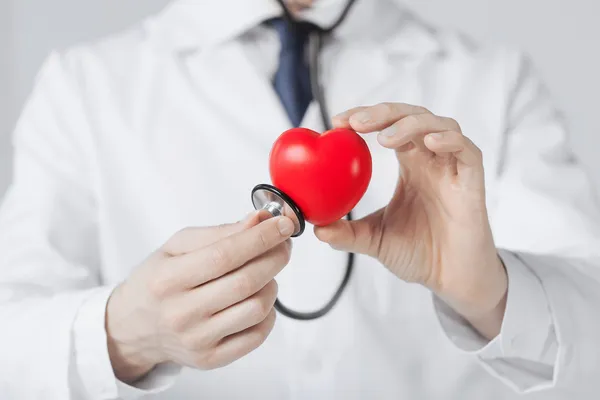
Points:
(361, 236)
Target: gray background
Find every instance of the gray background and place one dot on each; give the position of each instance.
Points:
(563, 38)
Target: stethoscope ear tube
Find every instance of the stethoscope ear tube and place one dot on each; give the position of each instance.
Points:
(315, 46)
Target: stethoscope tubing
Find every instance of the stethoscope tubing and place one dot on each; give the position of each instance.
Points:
(315, 46)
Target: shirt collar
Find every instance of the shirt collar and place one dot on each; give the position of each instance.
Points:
(192, 24)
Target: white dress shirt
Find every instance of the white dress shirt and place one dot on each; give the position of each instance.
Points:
(169, 124)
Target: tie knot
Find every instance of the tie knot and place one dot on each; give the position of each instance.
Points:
(294, 35)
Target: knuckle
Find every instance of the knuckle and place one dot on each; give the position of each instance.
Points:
(158, 286)
(453, 124)
(175, 242)
(245, 285)
(456, 136)
(175, 321)
(257, 338)
(179, 235)
(386, 107)
(199, 341)
(465, 140)
(476, 150)
(259, 308)
(205, 360)
(220, 257)
(411, 122)
(262, 333)
(204, 311)
(223, 229)
(422, 110)
(263, 239)
(214, 359)
(188, 342)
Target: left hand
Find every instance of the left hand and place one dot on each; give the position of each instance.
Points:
(435, 230)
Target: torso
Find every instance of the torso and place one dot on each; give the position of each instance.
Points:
(176, 148)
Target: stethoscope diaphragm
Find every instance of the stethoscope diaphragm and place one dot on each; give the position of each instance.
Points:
(275, 202)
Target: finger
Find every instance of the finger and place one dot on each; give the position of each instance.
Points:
(360, 236)
(465, 151)
(244, 282)
(220, 258)
(413, 128)
(342, 120)
(188, 310)
(382, 115)
(194, 238)
(240, 344)
(245, 314)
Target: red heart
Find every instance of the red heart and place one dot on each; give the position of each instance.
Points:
(326, 175)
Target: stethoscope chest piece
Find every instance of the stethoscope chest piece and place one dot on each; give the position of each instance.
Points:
(275, 202)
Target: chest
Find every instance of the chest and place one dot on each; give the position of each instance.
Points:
(183, 144)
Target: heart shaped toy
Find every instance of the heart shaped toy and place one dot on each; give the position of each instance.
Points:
(326, 174)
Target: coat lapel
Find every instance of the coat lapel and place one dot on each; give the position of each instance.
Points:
(355, 63)
(233, 84)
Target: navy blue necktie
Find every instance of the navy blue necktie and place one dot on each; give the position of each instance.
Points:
(292, 79)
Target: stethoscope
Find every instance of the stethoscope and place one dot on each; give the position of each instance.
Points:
(274, 201)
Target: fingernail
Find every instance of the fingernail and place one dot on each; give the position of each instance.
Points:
(362, 117)
(285, 226)
(389, 131)
(436, 136)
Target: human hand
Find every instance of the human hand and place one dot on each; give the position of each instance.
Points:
(435, 230)
(203, 300)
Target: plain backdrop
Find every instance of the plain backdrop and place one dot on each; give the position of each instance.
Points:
(563, 37)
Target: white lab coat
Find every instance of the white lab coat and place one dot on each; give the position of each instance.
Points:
(168, 125)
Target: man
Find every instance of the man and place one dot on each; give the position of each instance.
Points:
(118, 279)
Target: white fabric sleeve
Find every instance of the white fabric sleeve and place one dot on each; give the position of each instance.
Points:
(93, 362)
(523, 355)
(545, 214)
(52, 302)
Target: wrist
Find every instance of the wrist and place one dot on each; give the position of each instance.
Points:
(129, 365)
(483, 303)
(132, 354)
(489, 324)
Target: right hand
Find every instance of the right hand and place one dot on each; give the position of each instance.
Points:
(204, 300)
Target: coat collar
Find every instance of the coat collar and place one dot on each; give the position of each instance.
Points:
(188, 25)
